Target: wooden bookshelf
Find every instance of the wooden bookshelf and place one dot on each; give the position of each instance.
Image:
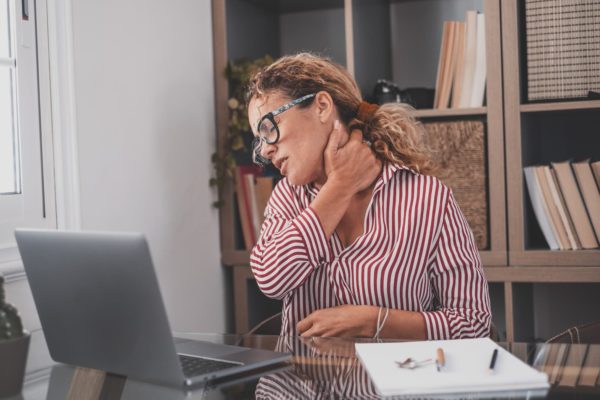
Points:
(514, 263)
(450, 112)
(538, 133)
(543, 274)
(560, 106)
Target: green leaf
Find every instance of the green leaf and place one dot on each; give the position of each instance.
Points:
(237, 143)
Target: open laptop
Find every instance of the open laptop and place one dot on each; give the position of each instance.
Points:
(100, 306)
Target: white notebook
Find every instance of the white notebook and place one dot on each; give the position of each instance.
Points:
(466, 369)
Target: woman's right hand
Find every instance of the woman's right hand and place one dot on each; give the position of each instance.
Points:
(350, 164)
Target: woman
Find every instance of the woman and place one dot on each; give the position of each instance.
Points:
(358, 240)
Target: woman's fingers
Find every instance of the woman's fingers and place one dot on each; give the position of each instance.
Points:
(356, 136)
(304, 324)
(336, 137)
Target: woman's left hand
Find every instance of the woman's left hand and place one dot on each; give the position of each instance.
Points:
(344, 321)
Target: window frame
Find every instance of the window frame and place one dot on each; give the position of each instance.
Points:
(37, 206)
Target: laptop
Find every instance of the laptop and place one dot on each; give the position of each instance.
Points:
(100, 307)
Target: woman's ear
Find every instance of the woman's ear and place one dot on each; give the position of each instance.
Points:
(325, 106)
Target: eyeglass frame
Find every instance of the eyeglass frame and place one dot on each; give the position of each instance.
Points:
(271, 117)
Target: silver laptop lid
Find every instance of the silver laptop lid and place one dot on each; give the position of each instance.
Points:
(99, 302)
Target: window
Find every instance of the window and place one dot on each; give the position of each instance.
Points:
(22, 190)
(10, 178)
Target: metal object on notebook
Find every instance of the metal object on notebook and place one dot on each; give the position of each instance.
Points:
(410, 363)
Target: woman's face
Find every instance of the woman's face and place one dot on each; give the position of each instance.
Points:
(304, 133)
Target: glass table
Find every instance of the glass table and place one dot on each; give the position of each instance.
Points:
(320, 368)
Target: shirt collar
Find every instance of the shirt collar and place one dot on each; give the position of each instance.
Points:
(387, 173)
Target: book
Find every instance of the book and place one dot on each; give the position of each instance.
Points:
(562, 208)
(470, 58)
(589, 192)
(254, 213)
(441, 64)
(551, 352)
(573, 365)
(459, 67)
(264, 188)
(553, 215)
(245, 203)
(590, 371)
(539, 207)
(574, 201)
(480, 71)
(596, 170)
(466, 368)
(244, 209)
(448, 65)
(559, 362)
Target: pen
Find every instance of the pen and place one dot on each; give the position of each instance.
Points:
(440, 360)
(493, 361)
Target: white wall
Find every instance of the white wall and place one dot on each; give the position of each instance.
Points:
(320, 31)
(146, 130)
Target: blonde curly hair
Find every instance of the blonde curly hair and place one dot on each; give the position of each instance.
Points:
(395, 135)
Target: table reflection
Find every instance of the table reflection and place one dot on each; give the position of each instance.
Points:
(321, 368)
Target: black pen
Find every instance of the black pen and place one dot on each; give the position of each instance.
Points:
(493, 361)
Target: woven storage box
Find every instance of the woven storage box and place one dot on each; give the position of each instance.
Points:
(563, 48)
(459, 149)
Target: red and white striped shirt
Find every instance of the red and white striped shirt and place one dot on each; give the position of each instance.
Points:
(416, 253)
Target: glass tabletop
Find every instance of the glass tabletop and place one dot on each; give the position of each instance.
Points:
(320, 368)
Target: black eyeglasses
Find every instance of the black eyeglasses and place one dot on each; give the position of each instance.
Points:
(267, 129)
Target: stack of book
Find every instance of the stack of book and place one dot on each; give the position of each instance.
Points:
(566, 201)
(562, 48)
(253, 193)
(461, 71)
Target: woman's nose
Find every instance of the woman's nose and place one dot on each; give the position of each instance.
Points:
(267, 150)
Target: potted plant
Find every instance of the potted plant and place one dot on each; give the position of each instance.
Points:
(14, 344)
(238, 75)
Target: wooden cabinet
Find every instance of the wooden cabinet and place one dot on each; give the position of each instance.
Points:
(400, 41)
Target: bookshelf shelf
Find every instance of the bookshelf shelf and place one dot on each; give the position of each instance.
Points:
(543, 274)
(451, 112)
(555, 257)
(560, 106)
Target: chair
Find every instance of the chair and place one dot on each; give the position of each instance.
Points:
(587, 333)
(494, 335)
(269, 326)
(272, 326)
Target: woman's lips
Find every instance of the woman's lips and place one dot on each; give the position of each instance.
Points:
(283, 166)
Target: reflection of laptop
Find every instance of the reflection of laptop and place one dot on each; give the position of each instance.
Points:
(100, 307)
(67, 382)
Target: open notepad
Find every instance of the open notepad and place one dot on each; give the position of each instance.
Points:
(466, 369)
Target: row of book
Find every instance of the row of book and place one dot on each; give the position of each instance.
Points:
(570, 365)
(566, 202)
(253, 193)
(461, 71)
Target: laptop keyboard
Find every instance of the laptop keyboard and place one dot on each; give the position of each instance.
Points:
(195, 366)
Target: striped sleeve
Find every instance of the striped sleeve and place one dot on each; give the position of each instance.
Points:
(461, 291)
(292, 244)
